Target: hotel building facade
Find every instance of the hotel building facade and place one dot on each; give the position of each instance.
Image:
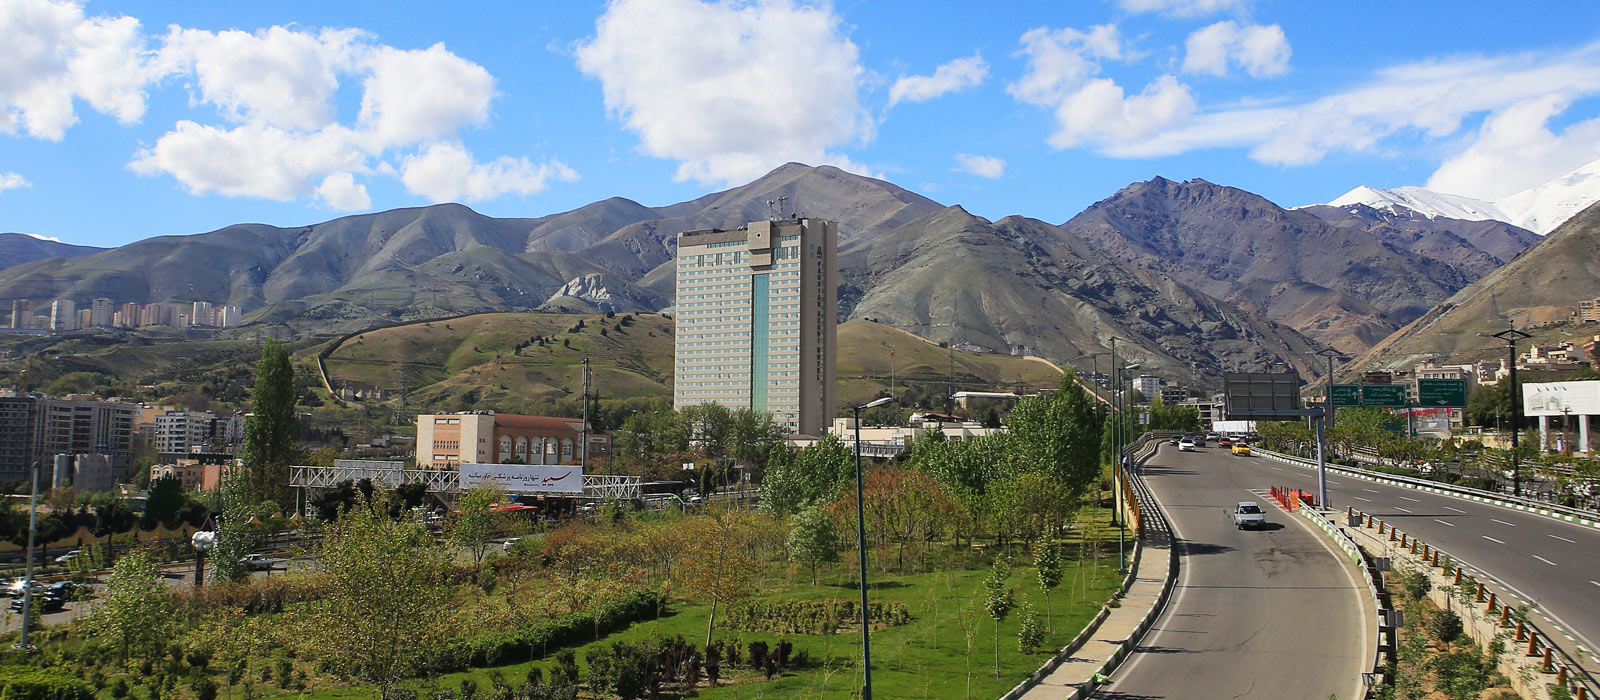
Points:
(757, 320)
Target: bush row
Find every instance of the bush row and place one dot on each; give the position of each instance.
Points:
(493, 649)
(813, 616)
(254, 596)
(28, 683)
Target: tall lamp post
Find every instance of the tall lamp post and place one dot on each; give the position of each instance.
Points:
(27, 577)
(861, 549)
(1116, 487)
(1511, 336)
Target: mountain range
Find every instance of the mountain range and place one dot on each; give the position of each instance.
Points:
(1539, 209)
(19, 248)
(1202, 278)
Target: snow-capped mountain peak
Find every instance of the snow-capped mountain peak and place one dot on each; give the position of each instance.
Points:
(1539, 209)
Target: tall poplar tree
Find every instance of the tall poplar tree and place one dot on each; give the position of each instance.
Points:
(272, 430)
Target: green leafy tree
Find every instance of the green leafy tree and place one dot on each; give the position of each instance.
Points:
(1029, 635)
(477, 523)
(811, 476)
(234, 539)
(709, 426)
(813, 540)
(166, 498)
(387, 609)
(134, 617)
(1047, 559)
(271, 430)
(999, 600)
(649, 435)
(1056, 434)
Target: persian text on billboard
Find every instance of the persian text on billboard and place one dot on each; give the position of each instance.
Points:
(518, 478)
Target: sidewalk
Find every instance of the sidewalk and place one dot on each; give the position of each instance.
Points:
(1110, 640)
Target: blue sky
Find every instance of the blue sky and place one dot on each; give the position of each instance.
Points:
(123, 120)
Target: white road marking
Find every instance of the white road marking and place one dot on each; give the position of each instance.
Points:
(1369, 490)
(1502, 522)
(1336, 483)
(1368, 500)
(1278, 469)
(1458, 510)
(1547, 561)
(1401, 509)
(1491, 539)
(1407, 498)
(1563, 539)
(1441, 522)
(1597, 584)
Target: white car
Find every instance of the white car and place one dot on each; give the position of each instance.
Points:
(509, 544)
(1185, 445)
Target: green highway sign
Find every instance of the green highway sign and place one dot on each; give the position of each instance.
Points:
(1383, 395)
(1442, 393)
(1346, 395)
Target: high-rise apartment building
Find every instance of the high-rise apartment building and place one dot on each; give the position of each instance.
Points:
(101, 313)
(757, 320)
(200, 314)
(38, 429)
(63, 315)
(21, 314)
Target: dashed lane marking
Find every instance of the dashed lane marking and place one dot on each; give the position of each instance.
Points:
(1458, 510)
(1368, 500)
(1401, 509)
(1547, 561)
(1563, 539)
(1502, 522)
(1369, 490)
(1491, 539)
(1408, 498)
(1441, 522)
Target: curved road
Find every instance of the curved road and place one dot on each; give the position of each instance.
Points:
(1256, 614)
(1551, 562)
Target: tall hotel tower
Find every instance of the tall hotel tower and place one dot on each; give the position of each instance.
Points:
(757, 320)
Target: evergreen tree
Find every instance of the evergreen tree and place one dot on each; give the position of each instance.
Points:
(272, 428)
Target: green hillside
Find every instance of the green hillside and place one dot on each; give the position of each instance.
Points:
(475, 361)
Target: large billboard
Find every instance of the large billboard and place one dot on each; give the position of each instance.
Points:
(1557, 398)
(1262, 396)
(518, 478)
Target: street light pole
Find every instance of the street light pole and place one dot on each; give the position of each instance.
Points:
(1511, 336)
(1118, 476)
(861, 549)
(27, 577)
(1116, 430)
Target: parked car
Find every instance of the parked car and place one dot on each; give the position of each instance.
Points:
(1240, 448)
(509, 544)
(68, 557)
(46, 603)
(257, 562)
(14, 589)
(1248, 515)
(68, 590)
(1186, 445)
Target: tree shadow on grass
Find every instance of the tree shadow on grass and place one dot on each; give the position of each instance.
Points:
(871, 585)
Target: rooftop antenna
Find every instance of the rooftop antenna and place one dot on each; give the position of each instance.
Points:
(777, 207)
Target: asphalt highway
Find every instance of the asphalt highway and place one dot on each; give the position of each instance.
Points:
(1552, 563)
(1270, 613)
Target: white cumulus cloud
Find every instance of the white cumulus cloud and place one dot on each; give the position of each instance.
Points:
(959, 74)
(13, 181)
(982, 166)
(446, 172)
(729, 90)
(1261, 50)
(342, 192)
(278, 76)
(1183, 8)
(1516, 149)
(255, 159)
(1060, 76)
(415, 96)
(55, 55)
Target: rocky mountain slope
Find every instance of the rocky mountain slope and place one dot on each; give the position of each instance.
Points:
(1558, 271)
(908, 261)
(19, 248)
(1347, 284)
(952, 276)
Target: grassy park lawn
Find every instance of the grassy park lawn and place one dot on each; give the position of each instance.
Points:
(946, 651)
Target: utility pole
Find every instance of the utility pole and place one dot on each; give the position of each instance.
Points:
(1116, 430)
(1511, 336)
(584, 460)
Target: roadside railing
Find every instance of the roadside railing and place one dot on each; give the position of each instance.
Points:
(1530, 645)
(1571, 515)
(1374, 581)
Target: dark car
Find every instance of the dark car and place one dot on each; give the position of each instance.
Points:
(47, 603)
(67, 590)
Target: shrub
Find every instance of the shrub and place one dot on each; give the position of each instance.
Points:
(1417, 584)
(1445, 626)
(813, 616)
(27, 683)
(493, 649)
